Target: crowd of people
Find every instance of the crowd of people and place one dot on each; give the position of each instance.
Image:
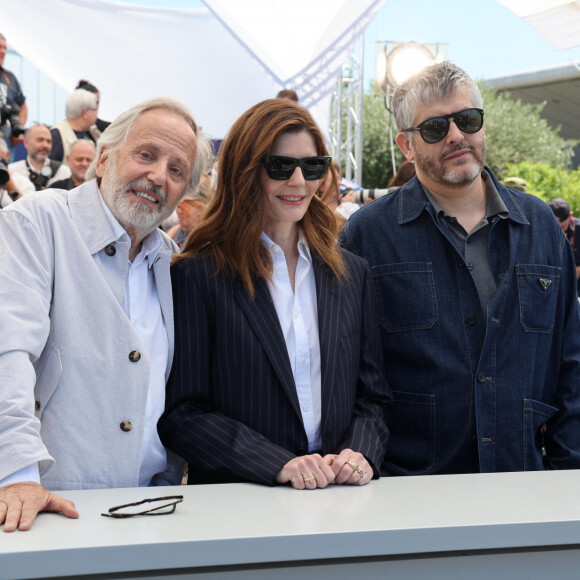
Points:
(268, 339)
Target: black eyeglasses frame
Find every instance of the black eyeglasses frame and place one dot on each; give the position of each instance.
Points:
(173, 501)
(445, 118)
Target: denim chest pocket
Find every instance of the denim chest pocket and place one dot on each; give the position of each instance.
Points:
(538, 292)
(406, 296)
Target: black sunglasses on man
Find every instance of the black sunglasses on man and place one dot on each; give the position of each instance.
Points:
(433, 130)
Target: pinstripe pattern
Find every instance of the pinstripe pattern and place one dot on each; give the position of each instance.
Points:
(232, 410)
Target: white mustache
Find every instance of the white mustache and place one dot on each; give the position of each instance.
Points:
(147, 186)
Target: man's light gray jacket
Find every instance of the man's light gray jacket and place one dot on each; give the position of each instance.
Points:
(67, 381)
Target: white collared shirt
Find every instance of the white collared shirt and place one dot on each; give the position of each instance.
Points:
(298, 315)
(142, 307)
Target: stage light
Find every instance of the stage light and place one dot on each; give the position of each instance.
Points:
(403, 61)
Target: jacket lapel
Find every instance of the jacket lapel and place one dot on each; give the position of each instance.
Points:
(261, 315)
(329, 325)
(163, 283)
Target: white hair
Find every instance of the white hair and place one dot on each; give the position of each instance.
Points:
(118, 131)
(78, 102)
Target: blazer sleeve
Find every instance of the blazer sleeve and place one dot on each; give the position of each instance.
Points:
(220, 447)
(25, 296)
(368, 433)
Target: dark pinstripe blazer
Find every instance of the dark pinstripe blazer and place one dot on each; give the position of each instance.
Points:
(232, 409)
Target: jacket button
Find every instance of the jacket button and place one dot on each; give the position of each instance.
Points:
(37, 405)
(481, 377)
(126, 426)
(471, 319)
(134, 356)
(110, 250)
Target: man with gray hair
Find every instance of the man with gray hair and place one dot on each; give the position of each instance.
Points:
(86, 340)
(476, 282)
(81, 114)
(40, 171)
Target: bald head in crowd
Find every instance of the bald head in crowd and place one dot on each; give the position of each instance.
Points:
(79, 159)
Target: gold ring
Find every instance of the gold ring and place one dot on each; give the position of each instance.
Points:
(352, 464)
(309, 479)
(360, 471)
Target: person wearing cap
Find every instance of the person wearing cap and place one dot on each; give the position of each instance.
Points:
(516, 183)
(569, 225)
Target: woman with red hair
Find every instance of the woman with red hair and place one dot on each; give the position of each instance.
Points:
(277, 370)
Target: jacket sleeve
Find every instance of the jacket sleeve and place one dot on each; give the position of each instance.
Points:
(368, 433)
(25, 296)
(220, 447)
(562, 436)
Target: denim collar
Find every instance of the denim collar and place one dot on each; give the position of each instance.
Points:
(413, 201)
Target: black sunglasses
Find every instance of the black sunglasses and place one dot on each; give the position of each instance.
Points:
(435, 129)
(281, 168)
(165, 505)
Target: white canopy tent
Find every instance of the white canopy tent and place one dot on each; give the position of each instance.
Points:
(557, 21)
(219, 60)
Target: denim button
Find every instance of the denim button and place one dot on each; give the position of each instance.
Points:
(481, 377)
(470, 266)
(471, 319)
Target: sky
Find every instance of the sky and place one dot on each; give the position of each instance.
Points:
(483, 37)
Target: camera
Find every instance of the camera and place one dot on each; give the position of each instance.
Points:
(40, 178)
(364, 195)
(9, 113)
(4, 175)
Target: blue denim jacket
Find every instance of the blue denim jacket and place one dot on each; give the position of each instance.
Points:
(468, 398)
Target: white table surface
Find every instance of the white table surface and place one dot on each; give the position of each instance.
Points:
(238, 524)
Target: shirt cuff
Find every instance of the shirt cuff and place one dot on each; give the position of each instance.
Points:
(29, 473)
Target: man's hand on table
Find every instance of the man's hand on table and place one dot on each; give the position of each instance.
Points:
(21, 502)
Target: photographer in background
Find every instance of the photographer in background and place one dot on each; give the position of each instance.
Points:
(13, 107)
(100, 125)
(37, 168)
(81, 114)
(12, 186)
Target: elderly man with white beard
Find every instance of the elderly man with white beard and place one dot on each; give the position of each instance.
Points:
(86, 343)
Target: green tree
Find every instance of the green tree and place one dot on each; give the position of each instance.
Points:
(516, 133)
(377, 165)
(550, 182)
